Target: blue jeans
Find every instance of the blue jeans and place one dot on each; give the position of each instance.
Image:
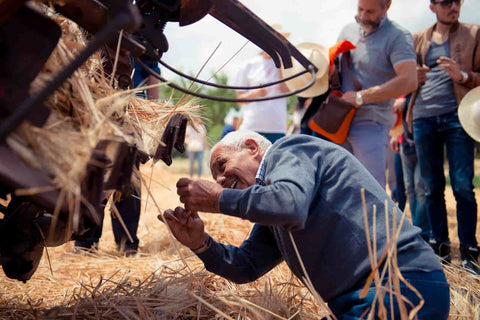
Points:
(415, 190)
(368, 142)
(431, 135)
(309, 132)
(195, 156)
(432, 286)
(399, 182)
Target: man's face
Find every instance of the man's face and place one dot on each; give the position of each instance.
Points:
(235, 169)
(370, 13)
(447, 12)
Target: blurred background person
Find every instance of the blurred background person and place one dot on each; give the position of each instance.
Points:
(414, 186)
(196, 143)
(128, 206)
(268, 118)
(297, 115)
(232, 122)
(394, 162)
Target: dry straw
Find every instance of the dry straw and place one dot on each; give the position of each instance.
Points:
(85, 110)
(156, 284)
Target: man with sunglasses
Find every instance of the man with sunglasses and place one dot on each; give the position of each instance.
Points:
(450, 51)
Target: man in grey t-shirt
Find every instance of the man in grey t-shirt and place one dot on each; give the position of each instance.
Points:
(384, 64)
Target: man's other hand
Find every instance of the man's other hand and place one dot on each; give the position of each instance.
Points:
(394, 144)
(422, 74)
(451, 67)
(186, 226)
(199, 195)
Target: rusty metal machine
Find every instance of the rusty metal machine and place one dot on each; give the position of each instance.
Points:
(27, 35)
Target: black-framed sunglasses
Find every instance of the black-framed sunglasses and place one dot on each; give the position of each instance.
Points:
(448, 3)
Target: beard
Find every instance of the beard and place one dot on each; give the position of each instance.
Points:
(451, 21)
(369, 24)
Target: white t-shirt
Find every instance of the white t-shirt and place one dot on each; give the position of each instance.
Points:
(194, 139)
(264, 116)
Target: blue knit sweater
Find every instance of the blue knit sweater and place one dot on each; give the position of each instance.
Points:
(313, 190)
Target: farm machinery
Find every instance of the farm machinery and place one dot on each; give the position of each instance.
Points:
(31, 221)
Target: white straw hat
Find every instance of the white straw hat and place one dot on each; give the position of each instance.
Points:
(279, 29)
(318, 55)
(469, 113)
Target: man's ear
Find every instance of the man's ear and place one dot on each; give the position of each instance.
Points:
(252, 146)
(387, 5)
(432, 8)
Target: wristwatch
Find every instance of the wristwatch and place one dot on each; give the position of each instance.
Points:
(464, 77)
(358, 98)
(204, 247)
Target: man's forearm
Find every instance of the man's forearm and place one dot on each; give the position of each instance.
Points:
(256, 256)
(389, 90)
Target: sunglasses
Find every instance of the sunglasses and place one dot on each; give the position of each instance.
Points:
(449, 3)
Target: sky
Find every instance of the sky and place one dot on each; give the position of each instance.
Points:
(318, 21)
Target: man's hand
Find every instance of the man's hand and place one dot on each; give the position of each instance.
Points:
(186, 226)
(399, 105)
(450, 66)
(394, 144)
(422, 74)
(252, 94)
(349, 96)
(199, 195)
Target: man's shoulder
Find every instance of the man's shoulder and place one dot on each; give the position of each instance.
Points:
(349, 29)
(302, 142)
(422, 34)
(472, 28)
(395, 28)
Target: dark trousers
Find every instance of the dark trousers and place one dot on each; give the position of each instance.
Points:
(415, 190)
(400, 194)
(431, 136)
(433, 287)
(272, 137)
(129, 209)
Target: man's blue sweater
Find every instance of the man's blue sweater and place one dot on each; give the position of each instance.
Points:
(313, 190)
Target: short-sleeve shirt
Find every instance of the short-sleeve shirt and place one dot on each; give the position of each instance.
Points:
(373, 61)
(264, 116)
(194, 139)
(436, 97)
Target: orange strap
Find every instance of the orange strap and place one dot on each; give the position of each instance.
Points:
(337, 49)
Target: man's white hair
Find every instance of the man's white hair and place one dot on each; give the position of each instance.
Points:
(235, 140)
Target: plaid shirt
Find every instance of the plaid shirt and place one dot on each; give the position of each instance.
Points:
(260, 178)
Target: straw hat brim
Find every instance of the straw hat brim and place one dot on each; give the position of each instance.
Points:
(318, 55)
(469, 113)
(278, 28)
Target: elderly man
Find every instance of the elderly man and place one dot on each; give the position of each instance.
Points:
(384, 68)
(308, 189)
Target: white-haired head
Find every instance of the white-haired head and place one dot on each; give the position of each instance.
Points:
(236, 139)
